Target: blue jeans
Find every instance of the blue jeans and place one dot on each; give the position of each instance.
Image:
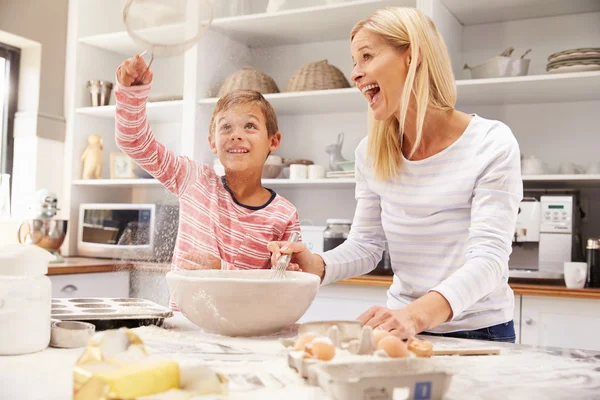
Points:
(498, 333)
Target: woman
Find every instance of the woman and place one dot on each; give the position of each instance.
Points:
(441, 186)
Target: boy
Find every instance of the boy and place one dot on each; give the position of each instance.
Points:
(225, 222)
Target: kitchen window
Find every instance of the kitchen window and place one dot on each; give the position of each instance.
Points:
(9, 84)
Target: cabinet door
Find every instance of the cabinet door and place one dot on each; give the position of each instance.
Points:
(344, 302)
(100, 284)
(517, 319)
(560, 322)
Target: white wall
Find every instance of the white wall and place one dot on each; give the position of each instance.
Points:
(39, 28)
(44, 21)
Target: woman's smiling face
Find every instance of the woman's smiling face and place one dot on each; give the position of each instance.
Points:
(379, 72)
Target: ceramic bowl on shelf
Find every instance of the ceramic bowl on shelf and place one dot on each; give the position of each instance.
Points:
(242, 302)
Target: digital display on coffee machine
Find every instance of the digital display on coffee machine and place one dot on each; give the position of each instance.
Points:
(556, 207)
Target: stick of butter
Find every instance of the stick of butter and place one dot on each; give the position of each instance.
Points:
(115, 365)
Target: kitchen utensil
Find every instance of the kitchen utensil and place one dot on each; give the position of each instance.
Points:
(501, 66)
(575, 274)
(110, 313)
(166, 27)
(284, 260)
(70, 334)
(242, 302)
(44, 229)
(100, 92)
(593, 262)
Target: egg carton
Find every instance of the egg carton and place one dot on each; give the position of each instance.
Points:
(391, 379)
(110, 313)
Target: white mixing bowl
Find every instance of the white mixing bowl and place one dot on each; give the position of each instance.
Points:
(242, 302)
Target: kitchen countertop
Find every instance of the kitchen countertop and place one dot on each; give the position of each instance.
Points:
(519, 371)
(76, 265)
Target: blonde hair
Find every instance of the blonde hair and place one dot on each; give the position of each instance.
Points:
(243, 96)
(430, 80)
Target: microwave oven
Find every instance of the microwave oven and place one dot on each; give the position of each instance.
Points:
(145, 232)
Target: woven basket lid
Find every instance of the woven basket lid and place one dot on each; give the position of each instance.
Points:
(319, 75)
(248, 78)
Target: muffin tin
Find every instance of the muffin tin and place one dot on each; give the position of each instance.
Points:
(110, 313)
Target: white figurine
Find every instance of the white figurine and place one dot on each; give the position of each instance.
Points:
(92, 158)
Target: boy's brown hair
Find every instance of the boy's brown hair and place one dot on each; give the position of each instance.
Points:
(244, 97)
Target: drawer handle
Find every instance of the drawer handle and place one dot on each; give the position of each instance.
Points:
(529, 321)
(69, 289)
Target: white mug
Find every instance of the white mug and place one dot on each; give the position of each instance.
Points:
(298, 171)
(575, 274)
(316, 171)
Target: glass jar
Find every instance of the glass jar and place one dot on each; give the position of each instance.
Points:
(335, 233)
(25, 299)
(593, 262)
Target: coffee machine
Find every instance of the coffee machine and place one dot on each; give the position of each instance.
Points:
(546, 235)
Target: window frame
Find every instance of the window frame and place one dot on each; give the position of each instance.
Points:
(13, 57)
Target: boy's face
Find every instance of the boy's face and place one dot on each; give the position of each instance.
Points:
(241, 140)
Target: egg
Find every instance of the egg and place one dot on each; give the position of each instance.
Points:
(421, 348)
(321, 348)
(393, 346)
(379, 334)
(304, 340)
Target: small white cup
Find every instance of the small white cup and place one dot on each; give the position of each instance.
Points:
(316, 171)
(298, 171)
(575, 274)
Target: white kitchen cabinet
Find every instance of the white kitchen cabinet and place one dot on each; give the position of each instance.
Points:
(347, 302)
(517, 319)
(101, 284)
(560, 322)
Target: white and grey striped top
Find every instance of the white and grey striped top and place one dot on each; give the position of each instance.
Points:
(449, 222)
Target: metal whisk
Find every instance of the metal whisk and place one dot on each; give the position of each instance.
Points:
(284, 260)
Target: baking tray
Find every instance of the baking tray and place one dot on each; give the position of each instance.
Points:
(110, 313)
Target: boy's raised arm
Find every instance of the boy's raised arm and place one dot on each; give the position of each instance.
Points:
(135, 137)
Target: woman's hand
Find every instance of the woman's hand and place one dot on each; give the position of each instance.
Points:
(398, 322)
(302, 259)
(132, 69)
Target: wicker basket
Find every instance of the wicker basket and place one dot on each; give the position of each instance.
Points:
(318, 75)
(250, 79)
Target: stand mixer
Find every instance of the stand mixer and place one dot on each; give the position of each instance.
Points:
(44, 230)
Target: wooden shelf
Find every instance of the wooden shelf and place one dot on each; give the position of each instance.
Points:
(302, 25)
(470, 12)
(547, 88)
(575, 86)
(160, 111)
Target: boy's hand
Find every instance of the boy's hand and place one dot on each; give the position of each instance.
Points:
(131, 70)
(302, 258)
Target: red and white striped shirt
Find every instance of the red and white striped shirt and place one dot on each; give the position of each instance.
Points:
(211, 221)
